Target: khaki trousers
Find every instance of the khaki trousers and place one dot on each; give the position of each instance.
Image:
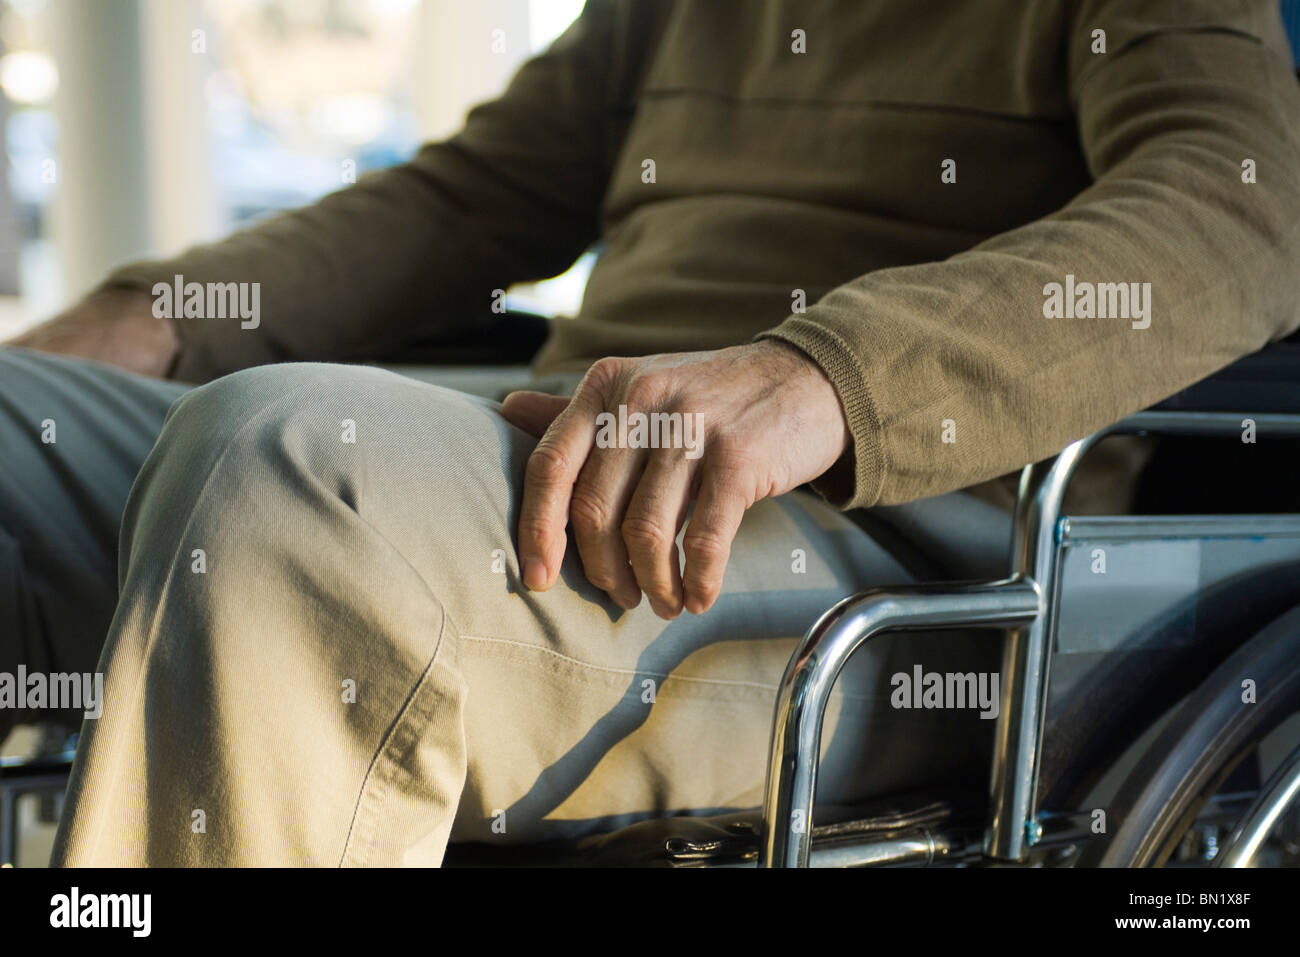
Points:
(317, 650)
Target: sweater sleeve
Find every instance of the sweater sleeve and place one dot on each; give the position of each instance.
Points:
(416, 250)
(952, 372)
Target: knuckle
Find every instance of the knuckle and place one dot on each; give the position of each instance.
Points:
(646, 389)
(589, 510)
(644, 535)
(736, 472)
(732, 455)
(548, 463)
(602, 374)
(534, 527)
(706, 545)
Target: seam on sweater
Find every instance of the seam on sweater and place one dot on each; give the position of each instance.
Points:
(1095, 67)
(776, 102)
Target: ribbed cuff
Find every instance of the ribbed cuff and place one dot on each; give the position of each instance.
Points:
(847, 484)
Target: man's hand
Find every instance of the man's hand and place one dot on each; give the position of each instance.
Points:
(115, 326)
(771, 421)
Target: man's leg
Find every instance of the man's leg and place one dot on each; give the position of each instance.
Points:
(73, 434)
(323, 653)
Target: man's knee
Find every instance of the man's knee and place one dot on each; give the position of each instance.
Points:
(274, 398)
(262, 416)
(260, 500)
(370, 438)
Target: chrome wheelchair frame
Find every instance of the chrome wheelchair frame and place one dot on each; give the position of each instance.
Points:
(45, 775)
(1025, 604)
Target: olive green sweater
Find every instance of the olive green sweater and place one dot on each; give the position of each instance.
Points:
(893, 186)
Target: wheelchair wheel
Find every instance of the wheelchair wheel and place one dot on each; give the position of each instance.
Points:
(1210, 733)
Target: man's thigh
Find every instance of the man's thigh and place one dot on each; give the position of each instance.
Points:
(582, 716)
(73, 435)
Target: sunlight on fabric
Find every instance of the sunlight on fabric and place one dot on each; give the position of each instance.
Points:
(547, 19)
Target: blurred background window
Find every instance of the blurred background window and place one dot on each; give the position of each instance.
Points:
(139, 127)
(301, 93)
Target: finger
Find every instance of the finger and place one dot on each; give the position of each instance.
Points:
(707, 542)
(596, 514)
(532, 411)
(552, 470)
(655, 513)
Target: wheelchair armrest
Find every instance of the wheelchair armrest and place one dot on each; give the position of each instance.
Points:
(487, 381)
(507, 338)
(1266, 381)
(486, 356)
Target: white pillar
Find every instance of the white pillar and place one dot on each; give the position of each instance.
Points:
(100, 213)
(183, 198)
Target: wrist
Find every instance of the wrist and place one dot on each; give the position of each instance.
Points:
(820, 391)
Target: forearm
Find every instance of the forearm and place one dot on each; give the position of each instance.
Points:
(953, 372)
(348, 277)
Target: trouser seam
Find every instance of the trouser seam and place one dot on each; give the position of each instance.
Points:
(664, 676)
(407, 728)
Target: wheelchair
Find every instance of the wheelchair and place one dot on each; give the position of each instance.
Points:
(1149, 662)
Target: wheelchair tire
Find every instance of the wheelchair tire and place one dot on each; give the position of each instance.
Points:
(1208, 735)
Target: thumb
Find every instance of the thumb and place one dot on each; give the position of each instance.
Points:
(532, 411)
